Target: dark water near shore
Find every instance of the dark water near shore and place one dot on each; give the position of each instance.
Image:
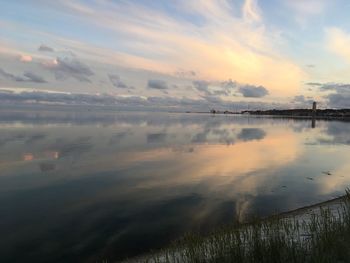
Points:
(80, 187)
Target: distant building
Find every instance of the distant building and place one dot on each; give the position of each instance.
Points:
(314, 107)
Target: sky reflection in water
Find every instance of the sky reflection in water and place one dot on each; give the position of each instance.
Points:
(87, 186)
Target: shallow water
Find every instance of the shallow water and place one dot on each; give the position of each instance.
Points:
(84, 186)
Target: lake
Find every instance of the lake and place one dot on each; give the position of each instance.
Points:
(86, 185)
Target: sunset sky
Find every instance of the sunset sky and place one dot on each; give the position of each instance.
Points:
(188, 54)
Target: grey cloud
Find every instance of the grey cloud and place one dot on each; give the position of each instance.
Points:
(45, 48)
(135, 102)
(118, 137)
(249, 134)
(185, 73)
(47, 167)
(202, 86)
(301, 100)
(224, 136)
(116, 81)
(213, 99)
(35, 138)
(34, 77)
(157, 84)
(229, 88)
(219, 92)
(340, 98)
(200, 137)
(216, 134)
(71, 68)
(314, 84)
(229, 84)
(9, 76)
(251, 91)
(59, 98)
(27, 77)
(74, 148)
(156, 137)
(339, 87)
(339, 131)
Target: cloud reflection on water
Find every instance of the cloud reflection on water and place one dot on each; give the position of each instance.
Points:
(150, 177)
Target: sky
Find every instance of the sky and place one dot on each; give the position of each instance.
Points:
(180, 54)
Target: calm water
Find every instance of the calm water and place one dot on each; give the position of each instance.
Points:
(78, 187)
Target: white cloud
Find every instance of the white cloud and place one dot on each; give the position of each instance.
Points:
(308, 7)
(338, 42)
(304, 10)
(251, 11)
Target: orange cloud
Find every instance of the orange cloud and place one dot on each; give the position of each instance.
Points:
(226, 46)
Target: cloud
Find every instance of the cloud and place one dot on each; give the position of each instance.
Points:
(115, 80)
(212, 99)
(338, 42)
(307, 8)
(338, 87)
(339, 100)
(228, 88)
(69, 67)
(202, 86)
(58, 98)
(49, 63)
(219, 42)
(27, 77)
(34, 77)
(251, 91)
(339, 131)
(211, 89)
(45, 48)
(302, 101)
(229, 84)
(156, 137)
(185, 73)
(250, 134)
(25, 58)
(133, 102)
(339, 96)
(300, 98)
(251, 11)
(314, 84)
(157, 84)
(9, 76)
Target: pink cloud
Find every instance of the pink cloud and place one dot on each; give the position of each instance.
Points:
(25, 58)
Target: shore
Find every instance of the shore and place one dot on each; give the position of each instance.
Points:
(301, 231)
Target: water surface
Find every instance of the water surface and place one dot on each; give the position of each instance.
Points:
(84, 186)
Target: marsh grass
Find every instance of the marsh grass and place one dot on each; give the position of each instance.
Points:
(321, 237)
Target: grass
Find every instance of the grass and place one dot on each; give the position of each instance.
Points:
(323, 237)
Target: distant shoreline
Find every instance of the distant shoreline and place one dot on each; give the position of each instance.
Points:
(320, 114)
(326, 114)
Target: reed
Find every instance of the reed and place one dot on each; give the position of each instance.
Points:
(323, 237)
